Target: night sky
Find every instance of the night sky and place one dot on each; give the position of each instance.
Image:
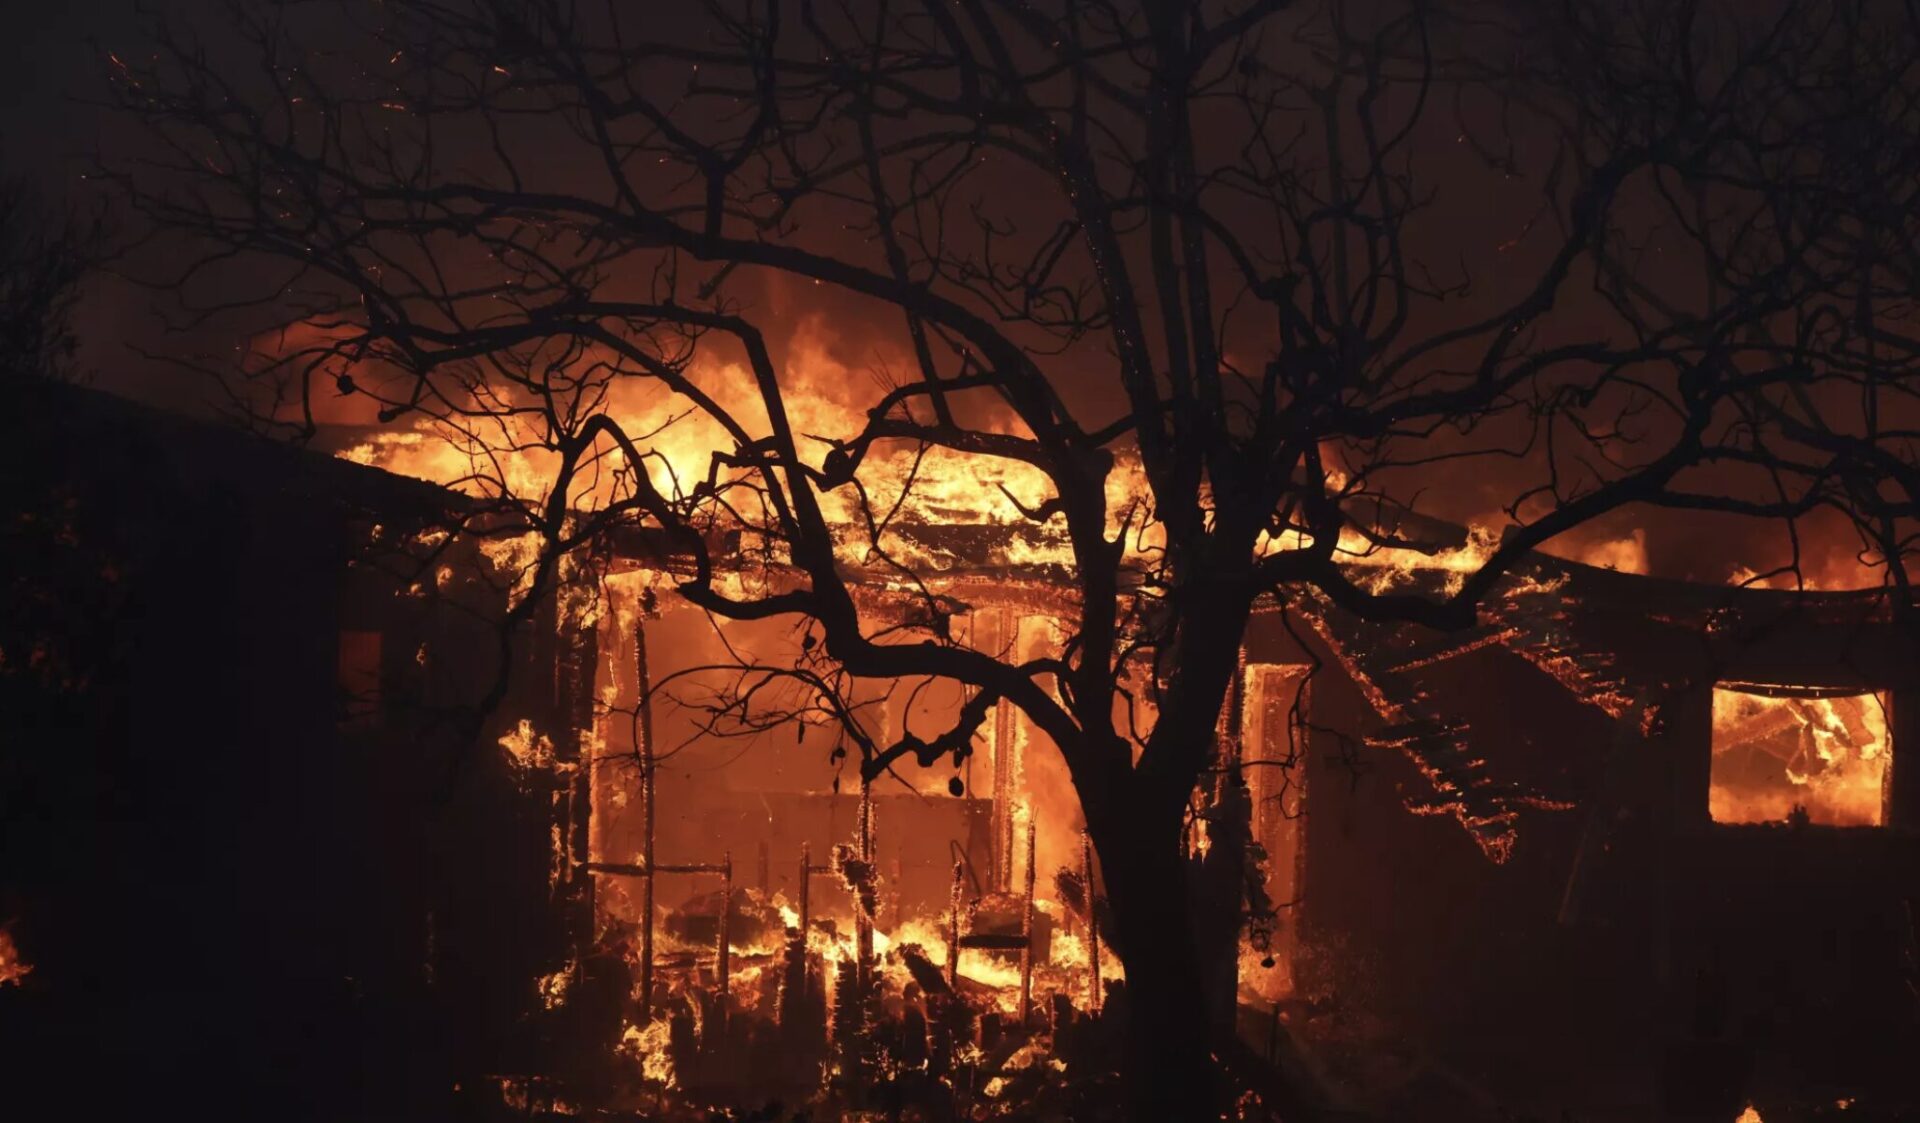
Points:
(51, 65)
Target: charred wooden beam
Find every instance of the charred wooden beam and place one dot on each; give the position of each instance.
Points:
(864, 898)
(994, 941)
(1450, 647)
(1093, 924)
(804, 890)
(1763, 725)
(1026, 933)
(644, 700)
(1005, 745)
(641, 869)
(953, 926)
(723, 958)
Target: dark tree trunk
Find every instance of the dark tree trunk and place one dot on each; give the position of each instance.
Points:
(1169, 1058)
(1135, 817)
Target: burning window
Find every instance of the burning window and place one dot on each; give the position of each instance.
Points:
(1799, 755)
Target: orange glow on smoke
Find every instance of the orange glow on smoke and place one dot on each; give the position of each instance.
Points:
(1777, 758)
(1626, 554)
(1832, 573)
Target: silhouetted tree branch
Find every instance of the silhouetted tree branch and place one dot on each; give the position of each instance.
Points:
(1192, 267)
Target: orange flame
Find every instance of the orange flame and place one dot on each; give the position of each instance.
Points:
(1778, 759)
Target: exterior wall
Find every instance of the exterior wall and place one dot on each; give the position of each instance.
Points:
(1629, 946)
(230, 885)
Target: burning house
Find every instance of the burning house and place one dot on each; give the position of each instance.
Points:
(1628, 844)
(966, 561)
(1660, 825)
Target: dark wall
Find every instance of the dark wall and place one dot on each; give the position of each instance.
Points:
(237, 891)
(1406, 919)
(1627, 937)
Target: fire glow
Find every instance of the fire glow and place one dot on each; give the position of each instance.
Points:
(1819, 760)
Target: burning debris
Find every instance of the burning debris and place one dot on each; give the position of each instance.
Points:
(754, 995)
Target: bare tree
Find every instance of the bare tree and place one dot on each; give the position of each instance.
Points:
(47, 630)
(43, 256)
(1808, 209)
(1220, 274)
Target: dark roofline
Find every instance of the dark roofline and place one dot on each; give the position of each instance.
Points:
(79, 420)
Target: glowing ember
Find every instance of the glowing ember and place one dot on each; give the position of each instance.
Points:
(529, 751)
(1817, 760)
(555, 987)
(649, 1047)
(13, 968)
